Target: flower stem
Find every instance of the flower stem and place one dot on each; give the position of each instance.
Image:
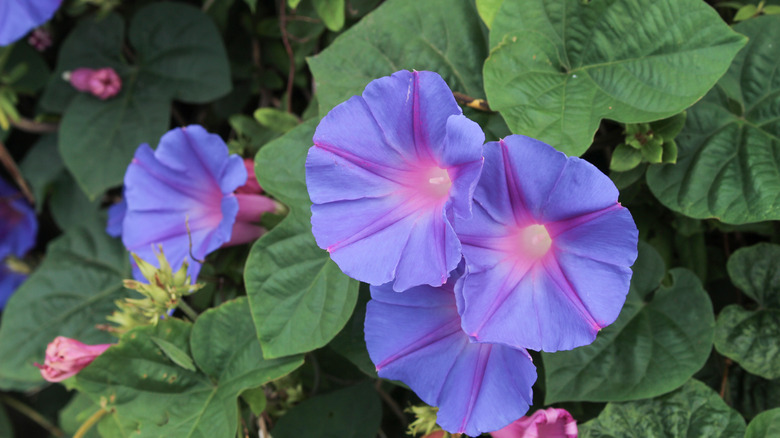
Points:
(189, 311)
(33, 415)
(91, 421)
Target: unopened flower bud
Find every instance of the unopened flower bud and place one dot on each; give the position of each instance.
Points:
(65, 357)
(101, 83)
(550, 422)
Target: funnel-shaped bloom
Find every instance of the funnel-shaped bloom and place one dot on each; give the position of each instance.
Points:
(188, 182)
(416, 337)
(18, 230)
(544, 423)
(387, 172)
(548, 250)
(17, 17)
(65, 357)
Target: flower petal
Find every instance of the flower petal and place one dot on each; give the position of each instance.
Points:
(17, 17)
(415, 337)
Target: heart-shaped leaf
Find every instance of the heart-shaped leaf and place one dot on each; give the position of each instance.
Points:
(765, 425)
(557, 68)
(727, 166)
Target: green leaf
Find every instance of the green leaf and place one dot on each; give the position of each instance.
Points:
(756, 271)
(625, 158)
(766, 424)
(557, 68)
(174, 353)
(41, 167)
(694, 410)
(351, 341)
(670, 152)
(745, 12)
(669, 128)
(36, 70)
(75, 413)
(276, 119)
(180, 52)
(751, 338)
(726, 167)
(69, 205)
(158, 398)
(353, 412)
(655, 345)
(331, 12)
(98, 138)
(403, 34)
(255, 398)
(71, 291)
(293, 3)
(771, 10)
(299, 298)
(488, 9)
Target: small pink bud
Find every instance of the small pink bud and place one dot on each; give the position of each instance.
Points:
(40, 39)
(544, 423)
(65, 357)
(251, 186)
(102, 83)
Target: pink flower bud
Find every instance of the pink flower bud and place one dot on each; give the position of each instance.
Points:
(65, 357)
(544, 423)
(40, 39)
(251, 186)
(102, 83)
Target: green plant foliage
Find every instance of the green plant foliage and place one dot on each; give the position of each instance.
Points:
(765, 425)
(299, 298)
(557, 68)
(694, 410)
(403, 34)
(353, 412)
(752, 337)
(661, 338)
(276, 119)
(72, 291)
(5, 424)
(331, 12)
(178, 56)
(727, 168)
(154, 396)
(488, 9)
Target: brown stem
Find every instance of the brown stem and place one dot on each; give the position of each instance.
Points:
(724, 383)
(34, 127)
(289, 50)
(477, 104)
(13, 169)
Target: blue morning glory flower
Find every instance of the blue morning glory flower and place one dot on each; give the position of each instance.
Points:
(18, 231)
(17, 17)
(548, 249)
(179, 193)
(387, 173)
(416, 337)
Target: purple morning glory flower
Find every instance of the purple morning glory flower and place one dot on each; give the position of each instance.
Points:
(548, 249)
(416, 337)
(116, 217)
(17, 17)
(387, 173)
(18, 230)
(188, 180)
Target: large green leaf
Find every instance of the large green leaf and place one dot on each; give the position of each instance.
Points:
(299, 298)
(71, 291)
(353, 412)
(661, 338)
(765, 425)
(42, 166)
(155, 397)
(404, 34)
(728, 167)
(178, 55)
(557, 68)
(694, 410)
(98, 138)
(752, 337)
(180, 52)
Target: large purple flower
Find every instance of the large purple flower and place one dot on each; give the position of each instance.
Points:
(18, 230)
(416, 337)
(387, 173)
(548, 249)
(17, 17)
(188, 181)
